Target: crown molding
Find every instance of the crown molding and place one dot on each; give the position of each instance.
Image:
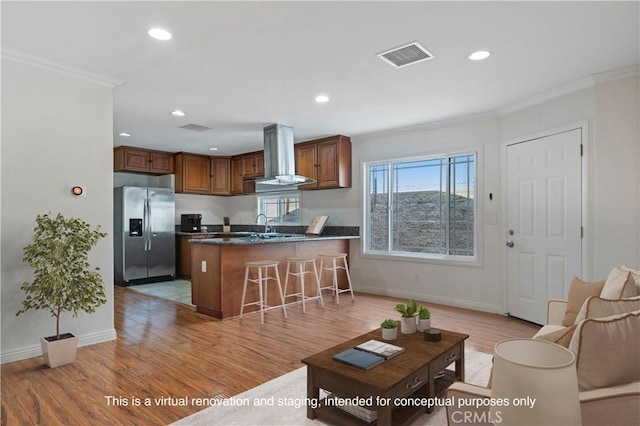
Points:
(630, 71)
(565, 89)
(38, 62)
(574, 86)
(428, 125)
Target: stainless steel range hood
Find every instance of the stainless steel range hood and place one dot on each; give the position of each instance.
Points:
(279, 161)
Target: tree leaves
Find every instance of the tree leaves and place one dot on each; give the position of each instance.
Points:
(59, 256)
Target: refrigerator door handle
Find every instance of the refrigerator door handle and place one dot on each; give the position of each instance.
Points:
(148, 209)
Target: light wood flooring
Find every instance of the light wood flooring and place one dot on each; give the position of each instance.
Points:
(165, 349)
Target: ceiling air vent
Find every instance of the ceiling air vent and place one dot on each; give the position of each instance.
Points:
(195, 127)
(408, 54)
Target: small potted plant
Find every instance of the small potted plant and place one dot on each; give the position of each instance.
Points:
(408, 312)
(389, 329)
(424, 319)
(62, 280)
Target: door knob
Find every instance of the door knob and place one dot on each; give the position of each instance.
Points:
(510, 244)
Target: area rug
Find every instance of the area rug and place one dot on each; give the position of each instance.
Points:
(287, 393)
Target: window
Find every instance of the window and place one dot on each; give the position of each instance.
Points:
(281, 208)
(422, 207)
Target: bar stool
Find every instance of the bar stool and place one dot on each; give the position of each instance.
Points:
(302, 262)
(262, 268)
(332, 259)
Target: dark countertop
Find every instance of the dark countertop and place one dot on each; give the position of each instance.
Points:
(286, 238)
(214, 230)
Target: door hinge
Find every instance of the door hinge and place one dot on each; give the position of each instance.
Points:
(582, 232)
(581, 150)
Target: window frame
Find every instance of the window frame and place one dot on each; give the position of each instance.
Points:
(280, 194)
(445, 259)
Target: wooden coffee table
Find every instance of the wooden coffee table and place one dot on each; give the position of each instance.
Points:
(398, 389)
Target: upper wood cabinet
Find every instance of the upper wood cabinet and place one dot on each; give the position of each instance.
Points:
(220, 176)
(237, 169)
(244, 169)
(193, 173)
(327, 160)
(260, 164)
(252, 165)
(138, 160)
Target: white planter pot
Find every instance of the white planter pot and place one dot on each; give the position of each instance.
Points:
(424, 324)
(408, 325)
(390, 333)
(59, 352)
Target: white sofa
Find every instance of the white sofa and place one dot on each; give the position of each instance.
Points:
(609, 380)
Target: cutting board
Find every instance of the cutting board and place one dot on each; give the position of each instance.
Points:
(317, 224)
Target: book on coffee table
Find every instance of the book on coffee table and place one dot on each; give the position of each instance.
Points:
(376, 347)
(360, 359)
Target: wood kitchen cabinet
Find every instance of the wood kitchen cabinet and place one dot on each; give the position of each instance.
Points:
(252, 165)
(183, 253)
(326, 160)
(244, 169)
(138, 160)
(193, 174)
(236, 175)
(220, 175)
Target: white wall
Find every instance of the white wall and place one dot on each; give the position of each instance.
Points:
(56, 133)
(212, 208)
(616, 190)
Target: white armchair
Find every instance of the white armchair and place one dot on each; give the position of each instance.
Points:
(611, 405)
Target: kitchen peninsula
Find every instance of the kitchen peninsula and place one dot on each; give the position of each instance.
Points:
(217, 267)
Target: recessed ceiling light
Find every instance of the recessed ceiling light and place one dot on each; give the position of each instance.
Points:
(213, 149)
(322, 99)
(124, 135)
(159, 34)
(479, 55)
(178, 113)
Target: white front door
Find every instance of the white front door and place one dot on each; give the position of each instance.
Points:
(544, 221)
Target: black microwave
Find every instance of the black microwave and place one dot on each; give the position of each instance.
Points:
(190, 222)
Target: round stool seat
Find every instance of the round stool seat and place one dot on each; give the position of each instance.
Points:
(301, 259)
(262, 263)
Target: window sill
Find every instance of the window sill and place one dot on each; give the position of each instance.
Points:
(444, 260)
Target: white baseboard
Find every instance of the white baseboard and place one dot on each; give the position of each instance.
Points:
(36, 350)
(458, 303)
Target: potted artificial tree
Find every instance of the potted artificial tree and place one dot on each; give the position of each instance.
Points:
(389, 329)
(62, 280)
(408, 312)
(424, 319)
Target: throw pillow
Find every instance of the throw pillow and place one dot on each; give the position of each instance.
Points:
(607, 351)
(597, 307)
(579, 291)
(635, 274)
(562, 337)
(618, 284)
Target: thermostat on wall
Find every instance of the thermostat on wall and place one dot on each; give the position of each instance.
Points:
(79, 191)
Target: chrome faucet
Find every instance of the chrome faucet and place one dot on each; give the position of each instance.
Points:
(266, 224)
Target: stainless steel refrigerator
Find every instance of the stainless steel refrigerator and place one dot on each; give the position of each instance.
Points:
(144, 234)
